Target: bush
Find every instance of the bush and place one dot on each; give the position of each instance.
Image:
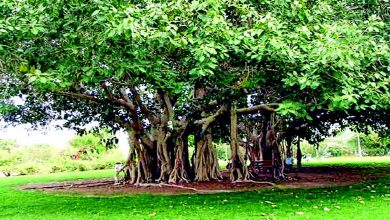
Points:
(8, 152)
(8, 158)
(343, 144)
(28, 168)
(8, 145)
(337, 152)
(91, 145)
(46, 159)
(374, 145)
(56, 169)
(223, 151)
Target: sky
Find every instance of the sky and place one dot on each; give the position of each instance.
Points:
(58, 138)
(25, 136)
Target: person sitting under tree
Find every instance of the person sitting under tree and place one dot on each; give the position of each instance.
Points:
(289, 164)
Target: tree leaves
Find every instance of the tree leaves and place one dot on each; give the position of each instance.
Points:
(308, 58)
(290, 108)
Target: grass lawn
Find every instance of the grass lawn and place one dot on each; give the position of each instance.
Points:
(349, 161)
(369, 200)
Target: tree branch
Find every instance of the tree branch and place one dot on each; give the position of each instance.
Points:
(207, 121)
(106, 89)
(169, 106)
(130, 104)
(137, 98)
(264, 107)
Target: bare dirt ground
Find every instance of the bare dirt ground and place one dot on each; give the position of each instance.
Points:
(309, 177)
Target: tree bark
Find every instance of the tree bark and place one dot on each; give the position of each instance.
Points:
(273, 142)
(253, 145)
(238, 169)
(259, 144)
(206, 161)
(164, 136)
(182, 170)
(288, 146)
(163, 154)
(265, 107)
(139, 160)
(132, 158)
(299, 155)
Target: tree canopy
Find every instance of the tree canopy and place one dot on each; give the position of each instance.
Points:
(267, 70)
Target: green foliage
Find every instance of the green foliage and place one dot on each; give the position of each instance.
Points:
(373, 144)
(223, 151)
(91, 145)
(46, 159)
(290, 109)
(7, 159)
(7, 145)
(343, 144)
(322, 54)
(338, 146)
(313, 59)
(346, 144)
(8, 155)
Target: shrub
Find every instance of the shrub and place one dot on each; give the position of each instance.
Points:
(223, 151)
(343, 144)
(9, 158)
(56, 169)
(28, 168)
(46, 159)
(8, 145)
(337, 151)
(91, 145)
(374, 145)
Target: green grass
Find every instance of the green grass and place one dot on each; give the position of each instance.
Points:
(349, 161)
(369, 200)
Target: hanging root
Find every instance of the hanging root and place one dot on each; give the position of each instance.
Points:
(238, 170)
(179, 173)
(273, 142)
(206, 161)
(163, 156)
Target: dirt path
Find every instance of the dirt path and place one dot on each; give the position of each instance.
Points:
(312, 177)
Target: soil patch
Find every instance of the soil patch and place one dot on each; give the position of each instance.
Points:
(309, 177)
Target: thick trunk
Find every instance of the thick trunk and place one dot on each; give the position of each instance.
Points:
(139, 160)
(206, 161)
(238, 169)
(132, 159)
(182, 170)
(299, 155)
(164, 146)
(253, 146)
(288, 146)
(256, 145)
(277, 159)
(258, 142)
(288, 162)
(164, 161)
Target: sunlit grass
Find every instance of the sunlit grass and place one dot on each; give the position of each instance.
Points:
(369, 200)
(348, 161)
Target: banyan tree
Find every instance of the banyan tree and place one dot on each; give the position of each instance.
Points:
(258, 75)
